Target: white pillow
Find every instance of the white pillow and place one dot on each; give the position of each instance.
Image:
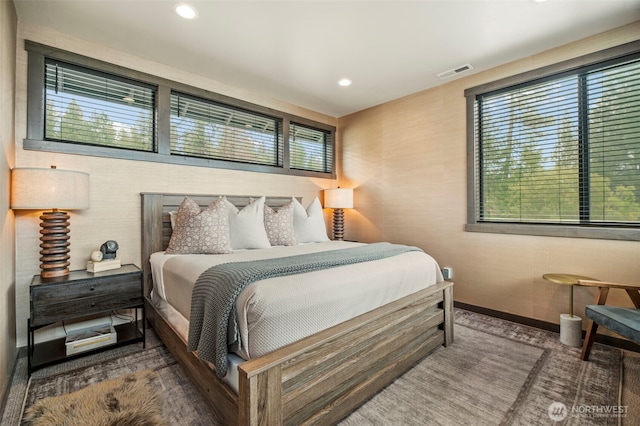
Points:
(309, 224)
(246, 227)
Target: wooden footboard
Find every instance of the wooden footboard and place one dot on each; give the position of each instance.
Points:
(324, 377)
(319, 379)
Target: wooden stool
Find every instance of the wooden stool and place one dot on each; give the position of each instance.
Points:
(570, 325)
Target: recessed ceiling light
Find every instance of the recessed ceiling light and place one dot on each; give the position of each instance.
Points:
(186, 11)
(344, 82)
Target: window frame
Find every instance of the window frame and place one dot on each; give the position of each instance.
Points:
(279, 144)
(328, 156)
(613, 232)
(36, 111)
(113, 77)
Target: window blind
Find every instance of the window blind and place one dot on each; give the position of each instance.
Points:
(310, 149)
(562, 150)
(206, 129)
(83, 106)
(88, 107)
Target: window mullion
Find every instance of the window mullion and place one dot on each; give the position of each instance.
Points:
(163, 120)
(286, 159)
(583, 150)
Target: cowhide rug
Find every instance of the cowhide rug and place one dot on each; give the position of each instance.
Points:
(128, 400)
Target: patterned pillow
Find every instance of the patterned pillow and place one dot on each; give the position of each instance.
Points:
(279, 225)
(201, 232)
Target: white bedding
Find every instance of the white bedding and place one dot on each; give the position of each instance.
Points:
(275, 312)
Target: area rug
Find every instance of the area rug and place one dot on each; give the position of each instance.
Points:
(495, 373)
(502, 373)
(182, 404)
(128, 400)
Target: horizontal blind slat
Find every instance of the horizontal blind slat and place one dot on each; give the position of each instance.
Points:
(88, 107)
(530, 141)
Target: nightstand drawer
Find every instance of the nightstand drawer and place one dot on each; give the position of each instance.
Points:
(68, 300)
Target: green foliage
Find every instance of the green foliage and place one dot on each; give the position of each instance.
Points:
(200, 138)
(99, 129)
(531, 166)
(73, 127)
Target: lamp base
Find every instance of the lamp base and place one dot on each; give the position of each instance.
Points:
(338, 224)
(54, 256)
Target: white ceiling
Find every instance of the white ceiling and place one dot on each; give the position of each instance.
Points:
(296, 50)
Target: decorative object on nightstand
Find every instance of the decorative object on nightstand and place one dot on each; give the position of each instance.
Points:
(38, 189)
(338, 199)
(96, 256)
(105, 258)
(103, 265)
(109, 249)
(81, 295)
(570, 325)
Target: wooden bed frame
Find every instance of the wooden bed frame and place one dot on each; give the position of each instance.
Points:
(317, 380)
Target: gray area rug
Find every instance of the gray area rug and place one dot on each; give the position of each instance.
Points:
(502, 373)
(495, 373)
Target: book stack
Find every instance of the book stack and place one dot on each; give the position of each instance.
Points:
(103, 265)
(91, 338)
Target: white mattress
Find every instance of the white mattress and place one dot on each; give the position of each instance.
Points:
(275, 312)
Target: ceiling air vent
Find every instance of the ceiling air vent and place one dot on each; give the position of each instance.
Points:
(455, 71)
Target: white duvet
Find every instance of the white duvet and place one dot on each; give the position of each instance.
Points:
(275, 312)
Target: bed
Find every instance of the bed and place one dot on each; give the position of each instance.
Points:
(318, 379)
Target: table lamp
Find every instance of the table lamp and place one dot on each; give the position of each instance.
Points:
(39, 189)
(338, 199)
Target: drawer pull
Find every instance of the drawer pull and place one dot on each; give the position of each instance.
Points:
(93, 288)
(93, 304)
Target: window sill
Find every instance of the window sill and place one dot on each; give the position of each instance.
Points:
(623, 234)
(125, 154)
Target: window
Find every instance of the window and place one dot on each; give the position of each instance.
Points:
(79, 105)
(202, 128)
(311, 149)
(88, 107)
(562, 150)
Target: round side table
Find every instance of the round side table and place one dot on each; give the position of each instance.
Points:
(570, 325)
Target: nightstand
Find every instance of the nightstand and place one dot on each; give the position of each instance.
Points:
(83, 294)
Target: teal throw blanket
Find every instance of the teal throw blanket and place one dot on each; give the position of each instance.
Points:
(213, 323)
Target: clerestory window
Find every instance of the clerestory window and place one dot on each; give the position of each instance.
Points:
(207, 129)
(84, 106)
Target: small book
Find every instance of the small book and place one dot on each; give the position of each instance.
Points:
(87, 339)
(104, 265)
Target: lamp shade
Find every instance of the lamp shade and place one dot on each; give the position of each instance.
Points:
(338, 198)
(40, 189)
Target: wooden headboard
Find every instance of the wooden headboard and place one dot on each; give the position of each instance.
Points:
(156, 223)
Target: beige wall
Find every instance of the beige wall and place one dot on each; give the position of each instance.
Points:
(407, 161)
(8, 23)
(116, 184)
